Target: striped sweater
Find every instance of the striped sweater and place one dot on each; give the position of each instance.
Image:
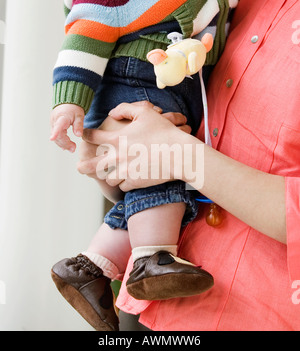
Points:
(97, 30)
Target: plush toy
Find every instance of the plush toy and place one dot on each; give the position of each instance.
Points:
(181, 59)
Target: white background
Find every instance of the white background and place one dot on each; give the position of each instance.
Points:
(48, 211)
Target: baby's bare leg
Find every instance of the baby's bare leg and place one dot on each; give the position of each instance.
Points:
(113, 244)
(156, 226)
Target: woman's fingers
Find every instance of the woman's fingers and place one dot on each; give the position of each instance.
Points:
(125, 159)
(186, 128)
(97, 136)
(87, 151)
(88, 167)
(176, 118)
(128, 111)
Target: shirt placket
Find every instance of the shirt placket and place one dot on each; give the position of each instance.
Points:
(233, 71)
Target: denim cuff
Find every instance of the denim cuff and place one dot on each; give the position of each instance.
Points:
(142, 199)
(115, 218)
(171, 192)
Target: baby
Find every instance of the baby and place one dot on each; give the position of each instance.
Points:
(103, 63)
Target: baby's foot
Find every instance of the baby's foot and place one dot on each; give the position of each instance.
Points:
(84, 286)
(163, 276)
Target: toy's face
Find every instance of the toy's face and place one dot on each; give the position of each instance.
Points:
(172, 70)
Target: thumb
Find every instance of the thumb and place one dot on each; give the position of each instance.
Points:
(127, 111)
(98, 136)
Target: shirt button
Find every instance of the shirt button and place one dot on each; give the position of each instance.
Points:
(120, 207)
(229, 83)
(254, 39)
(215, 132)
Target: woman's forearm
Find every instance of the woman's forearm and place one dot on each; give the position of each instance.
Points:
(255, 197)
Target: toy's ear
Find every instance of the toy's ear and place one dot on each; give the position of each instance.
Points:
(208, 41)
(156, 56)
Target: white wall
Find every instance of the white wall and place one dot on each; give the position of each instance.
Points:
(47, 210)
(2, 39)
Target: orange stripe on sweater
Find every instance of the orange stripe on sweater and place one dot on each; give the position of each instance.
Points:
(93, 30)
(109, 34)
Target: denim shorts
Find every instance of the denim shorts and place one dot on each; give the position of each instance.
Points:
(128, 79)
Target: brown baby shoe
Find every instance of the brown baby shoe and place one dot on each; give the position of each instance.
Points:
(163, 276)
(84, 286)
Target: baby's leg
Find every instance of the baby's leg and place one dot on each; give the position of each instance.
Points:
(157, 226)
(158, 273)
(84, 280)
(110, 250)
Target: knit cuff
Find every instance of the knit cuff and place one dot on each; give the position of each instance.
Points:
(184, 17)
(139, 48)
(71, 92)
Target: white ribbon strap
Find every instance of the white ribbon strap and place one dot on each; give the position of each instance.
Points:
(205, 111)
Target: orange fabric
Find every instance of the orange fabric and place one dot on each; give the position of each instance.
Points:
(94, 30)
(256, 121)
(110, 34)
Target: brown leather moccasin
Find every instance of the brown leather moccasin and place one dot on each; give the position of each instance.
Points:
(163, 276)
(84, 286)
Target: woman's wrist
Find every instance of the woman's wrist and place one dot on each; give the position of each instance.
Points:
(255, 197)
(192, 168)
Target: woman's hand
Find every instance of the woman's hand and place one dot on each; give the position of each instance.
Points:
(256, 198)
(124, 157)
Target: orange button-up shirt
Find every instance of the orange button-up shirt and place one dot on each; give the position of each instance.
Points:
(254, 117)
